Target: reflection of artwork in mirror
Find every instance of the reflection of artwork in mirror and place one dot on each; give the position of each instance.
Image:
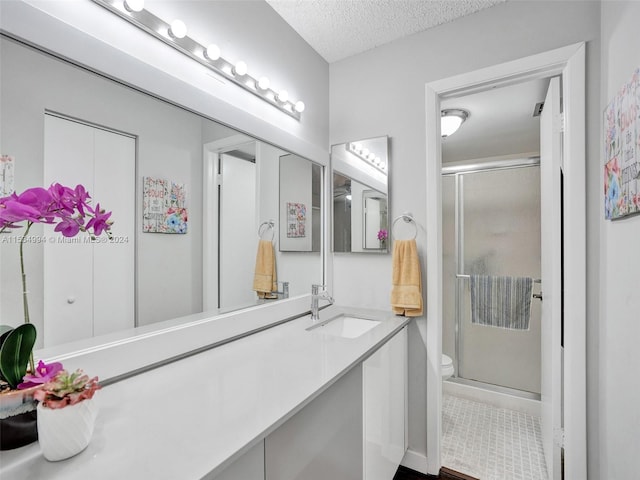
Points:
(163, 206)
(59, 110)
(296, 220)
(375, 219)
(360, 196)
(7, 164)
(300, 186)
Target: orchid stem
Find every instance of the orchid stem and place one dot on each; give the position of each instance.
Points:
(25, 302)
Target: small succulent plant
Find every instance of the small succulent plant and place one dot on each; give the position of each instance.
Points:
(67, 389)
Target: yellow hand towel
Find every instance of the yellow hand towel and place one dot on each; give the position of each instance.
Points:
(264, 279)
(406, 292)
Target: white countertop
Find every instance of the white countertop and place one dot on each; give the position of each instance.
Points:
(197, 415)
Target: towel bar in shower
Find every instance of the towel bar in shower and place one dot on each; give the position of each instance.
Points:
(462, 275)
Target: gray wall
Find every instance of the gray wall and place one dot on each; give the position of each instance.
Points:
(617, 393)
(381, 92)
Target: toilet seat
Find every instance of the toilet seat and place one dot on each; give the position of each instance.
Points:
(447, 369)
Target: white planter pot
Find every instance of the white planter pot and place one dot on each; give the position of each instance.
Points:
(65, 432)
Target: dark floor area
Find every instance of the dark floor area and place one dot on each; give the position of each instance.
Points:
(405, 473)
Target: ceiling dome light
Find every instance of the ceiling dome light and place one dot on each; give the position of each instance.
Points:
(212, 52)
(240, 68)
(178, 29)
(282, 96)
(451, 119)
(300, 106)
(134, 5)
(263, 83)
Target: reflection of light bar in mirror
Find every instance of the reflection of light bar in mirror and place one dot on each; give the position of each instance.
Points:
(367, 156)
(175, 35)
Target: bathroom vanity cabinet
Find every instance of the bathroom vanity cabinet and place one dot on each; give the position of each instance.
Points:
(299, 401)
(385, 403)
(354, 430)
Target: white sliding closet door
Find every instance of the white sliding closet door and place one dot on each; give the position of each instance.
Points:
(89, 287)
(238, 234)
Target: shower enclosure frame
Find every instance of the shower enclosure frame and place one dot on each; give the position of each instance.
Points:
(459, 170)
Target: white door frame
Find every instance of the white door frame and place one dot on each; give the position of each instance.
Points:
(568, 61)
(210, 265)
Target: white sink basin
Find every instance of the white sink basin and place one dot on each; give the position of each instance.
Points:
(345, 326)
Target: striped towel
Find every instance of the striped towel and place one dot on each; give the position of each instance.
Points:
(501, 301)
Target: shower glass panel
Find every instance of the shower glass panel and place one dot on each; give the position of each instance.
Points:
(497, 220)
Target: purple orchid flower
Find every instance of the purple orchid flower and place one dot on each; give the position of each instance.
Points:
(43, 374)
(13, 211)
(69, 227)
(82, 200)
(99, 223)
(38, 198)
(62, 199)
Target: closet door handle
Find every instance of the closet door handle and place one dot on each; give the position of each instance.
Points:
(538, 296)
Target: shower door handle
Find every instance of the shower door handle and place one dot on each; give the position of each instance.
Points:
(538, 296)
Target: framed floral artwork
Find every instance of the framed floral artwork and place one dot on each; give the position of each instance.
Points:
(622, 151)
(296, 220)
(7, 166)
(164, 206)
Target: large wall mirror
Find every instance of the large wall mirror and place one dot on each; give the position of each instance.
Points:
(360, 173)
(190, 197)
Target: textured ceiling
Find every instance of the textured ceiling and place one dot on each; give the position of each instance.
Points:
(337, 29)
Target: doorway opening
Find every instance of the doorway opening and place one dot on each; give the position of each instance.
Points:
(492, 284)
(567, 62)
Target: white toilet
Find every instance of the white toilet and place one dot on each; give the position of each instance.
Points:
(447, 366)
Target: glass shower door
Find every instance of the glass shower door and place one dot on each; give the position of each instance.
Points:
(498, 234)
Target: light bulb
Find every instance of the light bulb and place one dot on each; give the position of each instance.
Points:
(300, 106)
(365, 152)
(263, 83)
(240, 68)
(358, 147)
(283, 96)
(178, 29)
(212, 52)
(134, 5)
(451, 119)
(449, 125)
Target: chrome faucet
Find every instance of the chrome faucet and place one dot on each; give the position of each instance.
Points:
(316, 295)
(285, 290)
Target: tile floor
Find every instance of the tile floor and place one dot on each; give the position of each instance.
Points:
(491, 443)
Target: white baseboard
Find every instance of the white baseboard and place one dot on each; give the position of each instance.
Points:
(415, 461)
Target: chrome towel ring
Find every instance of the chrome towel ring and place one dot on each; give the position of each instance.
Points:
(408, 218)
(264, 226)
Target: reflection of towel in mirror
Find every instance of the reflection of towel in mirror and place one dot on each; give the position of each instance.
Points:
(406, 291)
(264, 279)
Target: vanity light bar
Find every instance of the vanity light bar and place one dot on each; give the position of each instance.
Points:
(367, 156)
(175, 35)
